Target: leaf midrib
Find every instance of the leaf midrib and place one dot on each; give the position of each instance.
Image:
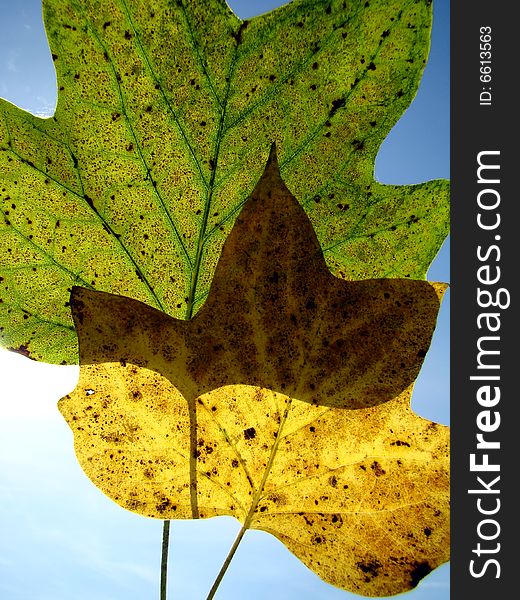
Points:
(202, 238)
(259, 493)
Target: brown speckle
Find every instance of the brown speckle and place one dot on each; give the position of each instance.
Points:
(378, 470)
(250, 433)
(369, 568)
(419, 570)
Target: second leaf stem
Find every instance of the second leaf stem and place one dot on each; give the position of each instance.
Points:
(164, 558)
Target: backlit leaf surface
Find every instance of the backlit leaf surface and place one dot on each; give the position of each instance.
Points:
(284, 402)
(166, 113)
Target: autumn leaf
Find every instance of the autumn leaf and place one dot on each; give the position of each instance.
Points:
(166, 112)
(285, 402)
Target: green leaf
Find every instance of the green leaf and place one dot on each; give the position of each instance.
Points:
(284, 402)
(166, 113)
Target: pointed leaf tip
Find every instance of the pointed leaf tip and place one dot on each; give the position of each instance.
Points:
(273, 157)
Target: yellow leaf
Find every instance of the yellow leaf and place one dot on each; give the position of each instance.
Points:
(284, 402)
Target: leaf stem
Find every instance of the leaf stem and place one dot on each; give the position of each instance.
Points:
(254, 504)
(227, 562)
(164, 558)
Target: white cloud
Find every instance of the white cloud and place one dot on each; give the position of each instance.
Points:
(11, 61)
(45, 108)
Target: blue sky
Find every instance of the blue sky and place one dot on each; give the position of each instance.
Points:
(61, 538)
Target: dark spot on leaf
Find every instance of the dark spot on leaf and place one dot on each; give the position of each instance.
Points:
(427, 531)
(250, 433)
(400, 443)
(238, 35)
(419, 570)
(234, 463)
(310, 304)
(128, 35)
(336, 105)
(369, 568)
(22, 349)
(164, 505)
(378, 470)
(371, 67)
